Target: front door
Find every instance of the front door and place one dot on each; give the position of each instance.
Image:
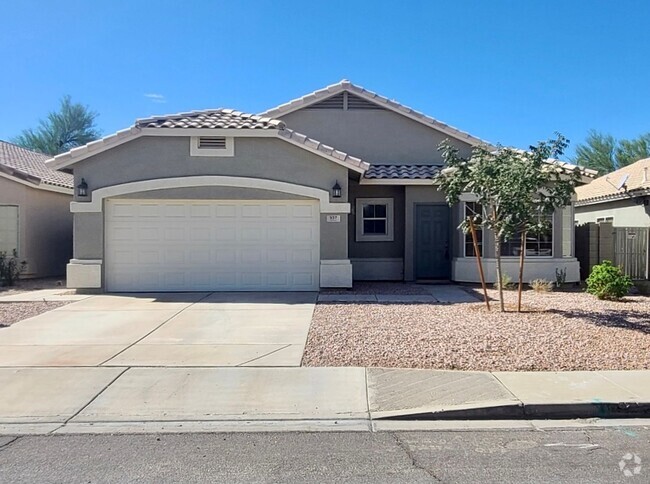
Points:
(432, 251)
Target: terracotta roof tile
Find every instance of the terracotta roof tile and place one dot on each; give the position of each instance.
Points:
(214, 118)
(32, 165)
(401, 172)
(637, 180)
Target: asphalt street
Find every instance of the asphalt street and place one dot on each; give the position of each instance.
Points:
(515, 456)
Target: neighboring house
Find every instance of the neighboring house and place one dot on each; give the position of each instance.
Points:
(613, 221)
(221, 200)
(35, 218)
(621, 197)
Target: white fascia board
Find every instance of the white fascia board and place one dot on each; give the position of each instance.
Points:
(393, 181)
(42, 186)
(350, 166)
(65, 160)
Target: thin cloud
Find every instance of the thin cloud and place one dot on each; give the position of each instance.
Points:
(156, 98)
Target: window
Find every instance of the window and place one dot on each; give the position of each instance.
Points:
(600, 220)
(374, 217)
(8, 228)
(537, 245)
(471, 210)
(212, 146)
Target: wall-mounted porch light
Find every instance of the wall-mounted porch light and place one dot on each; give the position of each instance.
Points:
(336, 190)
(82, 189)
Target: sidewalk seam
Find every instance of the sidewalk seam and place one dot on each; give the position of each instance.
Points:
(155, 329)
(264, 356)
(95, 397)
(508, 389)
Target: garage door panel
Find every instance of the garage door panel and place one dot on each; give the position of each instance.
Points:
(215, 245)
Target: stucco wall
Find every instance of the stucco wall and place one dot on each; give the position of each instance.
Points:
(381, 260)
(377, 136)
(373, 250)
(149, 158)
(45, 227)
(626, 213)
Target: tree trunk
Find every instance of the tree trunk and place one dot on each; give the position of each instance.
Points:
(477, 253)
(521, 269)
(497, 248)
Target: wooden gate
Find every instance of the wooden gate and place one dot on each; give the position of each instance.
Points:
(631, 251)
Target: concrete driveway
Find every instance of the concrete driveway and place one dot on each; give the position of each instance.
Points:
(165, 330)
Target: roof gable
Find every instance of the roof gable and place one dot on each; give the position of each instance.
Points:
(363, 97)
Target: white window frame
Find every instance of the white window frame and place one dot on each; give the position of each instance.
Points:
(553, 239)
(17, 226)
(389, 235)
(464, 217)
(229, 150)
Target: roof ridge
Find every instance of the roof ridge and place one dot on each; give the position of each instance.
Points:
(198, 112)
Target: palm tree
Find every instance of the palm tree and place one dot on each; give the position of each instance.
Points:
(71, 126)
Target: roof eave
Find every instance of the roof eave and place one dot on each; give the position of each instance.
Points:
(614, 197)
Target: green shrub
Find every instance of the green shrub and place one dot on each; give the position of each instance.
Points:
(10, 268)
(541, 285)
(607, 281)
(506, 282)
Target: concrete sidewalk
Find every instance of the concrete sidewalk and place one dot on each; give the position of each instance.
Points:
(124, 399)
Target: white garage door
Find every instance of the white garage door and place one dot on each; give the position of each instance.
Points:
(180, 245)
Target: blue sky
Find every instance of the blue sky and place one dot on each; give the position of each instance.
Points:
(512, 72)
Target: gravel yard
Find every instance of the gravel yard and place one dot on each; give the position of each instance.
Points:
(559, 331)
(12, 312)
(26, 285)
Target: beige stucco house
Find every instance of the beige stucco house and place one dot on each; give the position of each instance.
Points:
(621, 197)
(329, 188)
(35, 218)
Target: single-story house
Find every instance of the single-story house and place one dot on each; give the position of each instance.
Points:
(621, 197)
(331, 187)
(35, 218)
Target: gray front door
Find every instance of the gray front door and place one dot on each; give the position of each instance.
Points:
(432, 257)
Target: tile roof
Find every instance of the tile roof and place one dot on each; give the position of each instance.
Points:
(31, 166)
(401, 172)
(210, 119)
(346, 85)
(637, 182)
(313, 144)
(213, 118)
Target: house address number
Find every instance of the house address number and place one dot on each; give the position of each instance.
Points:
(333, 218)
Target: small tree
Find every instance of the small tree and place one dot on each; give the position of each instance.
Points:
(71, 126)
(514, 187)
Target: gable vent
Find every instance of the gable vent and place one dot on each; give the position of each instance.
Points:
(334, 102)
(356, 102)
(212, 142)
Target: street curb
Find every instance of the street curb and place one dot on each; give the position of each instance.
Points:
(578, 410)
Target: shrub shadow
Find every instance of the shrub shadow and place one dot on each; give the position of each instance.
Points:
(632, 320)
